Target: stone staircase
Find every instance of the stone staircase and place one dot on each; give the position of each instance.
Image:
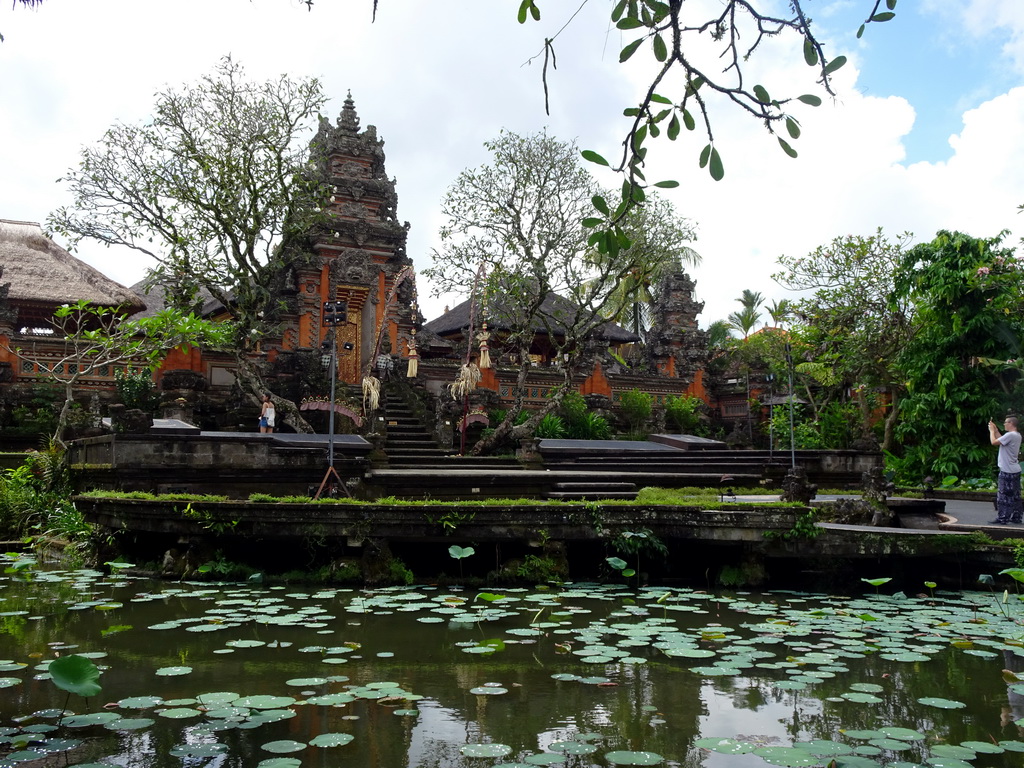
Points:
(409, 443)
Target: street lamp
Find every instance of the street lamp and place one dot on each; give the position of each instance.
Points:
(792, 440)
(335, 313)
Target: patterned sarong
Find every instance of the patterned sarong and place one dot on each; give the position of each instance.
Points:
(1008, 503)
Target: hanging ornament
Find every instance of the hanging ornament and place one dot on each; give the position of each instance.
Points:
(371, 394)
(466, 381)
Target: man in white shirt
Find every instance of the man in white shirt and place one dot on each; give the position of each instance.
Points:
(1008, 502)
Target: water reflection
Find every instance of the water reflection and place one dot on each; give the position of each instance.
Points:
(413, 676)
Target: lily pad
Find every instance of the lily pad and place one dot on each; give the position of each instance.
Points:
(130, 724)
(726, 746)
(485, 750)
(264, 702)
(174, 671)
(331, 740)
(634, 758)
(938, 703)
(572, 747)
(284, 746)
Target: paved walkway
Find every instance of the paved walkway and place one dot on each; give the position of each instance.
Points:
(970, 514)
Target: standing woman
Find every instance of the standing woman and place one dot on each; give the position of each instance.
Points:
(1008, 503)
(267, 414)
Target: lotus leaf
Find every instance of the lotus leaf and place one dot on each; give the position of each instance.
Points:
(938, 703)
(983, 747)
(173, 671)
(824, 747)
(75, 674)
(634, 758)
(903, 734)
(726, 746)
(284, 746)
(129, 724)
(332, 740)
(199, 750)
(485, 750)
(179, 713)
(788, 756)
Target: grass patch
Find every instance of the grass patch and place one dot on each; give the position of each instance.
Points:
(706, 498)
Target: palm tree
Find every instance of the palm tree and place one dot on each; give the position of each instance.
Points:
(719, 333)
(747, 318)
(780, 311)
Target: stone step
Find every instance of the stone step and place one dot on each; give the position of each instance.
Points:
(426, 442)
(595, 486)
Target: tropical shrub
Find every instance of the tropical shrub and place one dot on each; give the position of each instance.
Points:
(636, 408)
(550, 427)
(582, 423)
(135, 388)
(683, 413)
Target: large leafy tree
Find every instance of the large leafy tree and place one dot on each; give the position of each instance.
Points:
(854, 324)
(519, 220)
(213, 188)
(966, 296)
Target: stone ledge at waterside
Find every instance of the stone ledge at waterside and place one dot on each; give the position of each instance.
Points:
(768, 530)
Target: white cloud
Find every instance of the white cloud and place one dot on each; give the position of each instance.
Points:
(440, 78)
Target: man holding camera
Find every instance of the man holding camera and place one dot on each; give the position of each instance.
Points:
(1008, 503)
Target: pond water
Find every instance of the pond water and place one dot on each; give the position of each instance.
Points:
(199, 674)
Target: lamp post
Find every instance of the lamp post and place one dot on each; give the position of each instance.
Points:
(334, 314)
(771, 415)
(792, 439)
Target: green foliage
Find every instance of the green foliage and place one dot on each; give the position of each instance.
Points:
(636, 407)
(747, 574)
(836, 427)
(398, 573)
(803, 528)
(135, 388)
(75, 674)
(208, 520)
(1018, 552)
(35, 500)
(966, 293)
(223, 569)
(581, 423)
(537, 570)
(551, 427)
(458, 553)
(642, 541)
(36, 415)
(683, 413)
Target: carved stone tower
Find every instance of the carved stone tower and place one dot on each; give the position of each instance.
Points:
(359, 252)
(677, 347)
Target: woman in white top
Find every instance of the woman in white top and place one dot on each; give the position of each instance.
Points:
(267, 414)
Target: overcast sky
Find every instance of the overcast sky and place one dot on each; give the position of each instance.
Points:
(925, 133)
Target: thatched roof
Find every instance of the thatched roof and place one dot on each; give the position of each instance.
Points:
(41, 272)
(554, 307)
